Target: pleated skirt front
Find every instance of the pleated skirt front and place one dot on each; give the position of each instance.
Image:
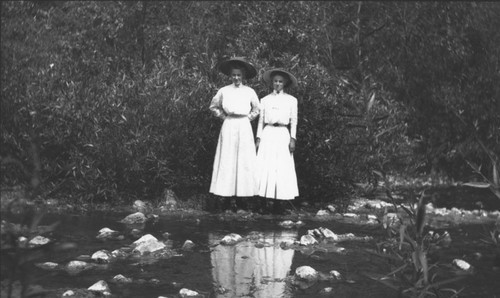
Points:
(275, 171)
(234, 163)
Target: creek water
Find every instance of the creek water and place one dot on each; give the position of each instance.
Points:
(248, 269)
(257, 268)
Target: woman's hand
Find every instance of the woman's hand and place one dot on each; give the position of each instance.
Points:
(291, 146)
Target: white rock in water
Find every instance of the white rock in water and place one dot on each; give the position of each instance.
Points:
(331, 208)
(323, 212)
(327, 233)
(106, 233)
(38, 241)
(327, 290)
(230, 239)
(308, 240)
(121, 279)
(118, 253)
(287, 223)
(350, 215)
(76, 266)
(101, 256)
(68, 293)
(461, 264)
(335, 274)
(188, 245)
(187, 293)
(47, 265)
(307, 273)
(144, 239)
(100, 286)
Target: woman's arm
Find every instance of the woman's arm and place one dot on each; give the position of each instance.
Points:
(216, 106)
(254, 102)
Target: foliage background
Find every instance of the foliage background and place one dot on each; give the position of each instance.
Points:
(109, 100)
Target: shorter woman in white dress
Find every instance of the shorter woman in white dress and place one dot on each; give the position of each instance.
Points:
(234, 162)
(276, 134)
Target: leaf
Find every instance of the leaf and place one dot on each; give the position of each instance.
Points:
(370, 103)
(420, 215)
(477, 184)
(496, 178)
(378, 173)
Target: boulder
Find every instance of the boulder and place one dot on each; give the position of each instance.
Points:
(101, 256)
(188, 245)
(350, 215)
(134, 218)
(188, 293)
(121, 279)
(68, 293)
(231, 239)
(147, 244)
(322, 212)
(101, 287)
(47, 265)
(334, 274)
(140, 206)
(75, 267)
(107, 233)
(328, 234)
(38, 241)
(308, 240)
(119, 253)
(287, 224)
(307, 273)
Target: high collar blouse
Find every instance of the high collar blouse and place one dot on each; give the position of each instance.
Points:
(232, 100)
(278, 108)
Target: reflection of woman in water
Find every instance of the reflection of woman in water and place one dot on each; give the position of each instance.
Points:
(243, 270)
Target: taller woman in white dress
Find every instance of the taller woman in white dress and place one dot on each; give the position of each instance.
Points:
(234, 163)
(276, 135)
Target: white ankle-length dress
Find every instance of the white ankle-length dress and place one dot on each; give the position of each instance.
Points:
(275, 171)
(234, 163)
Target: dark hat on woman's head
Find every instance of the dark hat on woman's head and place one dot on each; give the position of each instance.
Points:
(268, 75)
(240, 62)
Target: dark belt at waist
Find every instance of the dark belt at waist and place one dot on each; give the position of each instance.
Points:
(277, 124)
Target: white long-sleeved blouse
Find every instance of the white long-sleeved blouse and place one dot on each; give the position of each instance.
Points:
(278, 108)
(232, 100)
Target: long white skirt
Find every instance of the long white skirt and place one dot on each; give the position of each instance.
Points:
(275, 171)
(234, 162)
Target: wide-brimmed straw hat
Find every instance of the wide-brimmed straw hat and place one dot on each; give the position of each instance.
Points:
(226, 66)
(268, 75)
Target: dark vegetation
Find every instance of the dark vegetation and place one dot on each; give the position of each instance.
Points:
(108, 101)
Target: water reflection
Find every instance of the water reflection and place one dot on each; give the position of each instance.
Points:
(253, 268)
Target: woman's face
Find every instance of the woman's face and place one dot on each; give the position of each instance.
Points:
(236, 76)
(279, 82)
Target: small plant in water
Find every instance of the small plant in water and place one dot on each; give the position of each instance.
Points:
(407, 250)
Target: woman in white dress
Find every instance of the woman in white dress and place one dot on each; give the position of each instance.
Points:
(237, 105)
(276, 134)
